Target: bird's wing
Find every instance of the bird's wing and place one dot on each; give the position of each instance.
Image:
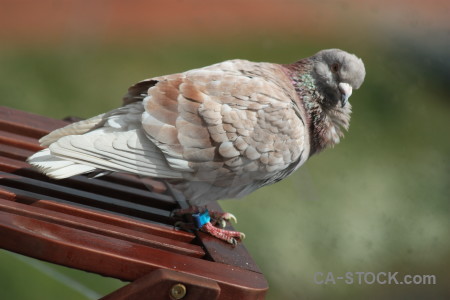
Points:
(233, 122)
(236, 119)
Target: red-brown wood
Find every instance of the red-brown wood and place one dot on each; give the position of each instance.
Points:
(116, 220)
(117, 225)
(101, 228)
(115, 258)
(160, 283)
(27, 124)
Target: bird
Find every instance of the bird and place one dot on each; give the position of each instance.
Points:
(216, 132)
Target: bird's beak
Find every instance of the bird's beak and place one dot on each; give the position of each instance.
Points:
(346, 92)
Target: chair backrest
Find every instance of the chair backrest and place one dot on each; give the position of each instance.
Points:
(117, 225)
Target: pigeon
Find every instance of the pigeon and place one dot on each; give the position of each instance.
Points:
(216, 132)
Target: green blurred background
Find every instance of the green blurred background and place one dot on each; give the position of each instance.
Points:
(378, 202)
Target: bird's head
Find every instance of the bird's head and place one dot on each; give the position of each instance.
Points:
(337, 74)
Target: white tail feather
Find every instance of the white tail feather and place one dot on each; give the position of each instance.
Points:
(114, 141)
(55, 167)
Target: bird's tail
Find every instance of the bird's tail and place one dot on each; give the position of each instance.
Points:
(55, 167)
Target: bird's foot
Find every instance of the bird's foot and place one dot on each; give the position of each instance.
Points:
(229, 236)
(217, 218)
(209, 222)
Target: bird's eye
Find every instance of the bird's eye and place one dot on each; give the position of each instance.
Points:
(335, 67)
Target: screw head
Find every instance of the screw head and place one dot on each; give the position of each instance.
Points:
(178, 291)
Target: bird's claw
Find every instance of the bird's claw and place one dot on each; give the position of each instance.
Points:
(221, 219)
(234, 241)
(227, 217)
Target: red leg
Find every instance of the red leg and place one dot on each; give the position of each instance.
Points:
(215, 218)
(229, 236)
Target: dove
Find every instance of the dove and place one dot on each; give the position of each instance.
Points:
(217, 132)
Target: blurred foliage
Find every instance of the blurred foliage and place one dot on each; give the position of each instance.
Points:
(377, 202)
(26, 278)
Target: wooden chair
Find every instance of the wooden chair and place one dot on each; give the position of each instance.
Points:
(117, 225)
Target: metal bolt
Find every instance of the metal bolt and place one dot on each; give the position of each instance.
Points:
(178, 291)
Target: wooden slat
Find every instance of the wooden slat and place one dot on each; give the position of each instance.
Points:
(14, 152)
(101, 228)
(108, 218)
(118, 189)
(101, 216)
(12, 139)
(26, 124)
(11, 165)
(18, 184)
(132, 211)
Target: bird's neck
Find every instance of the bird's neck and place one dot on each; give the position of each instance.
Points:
(325, 123)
